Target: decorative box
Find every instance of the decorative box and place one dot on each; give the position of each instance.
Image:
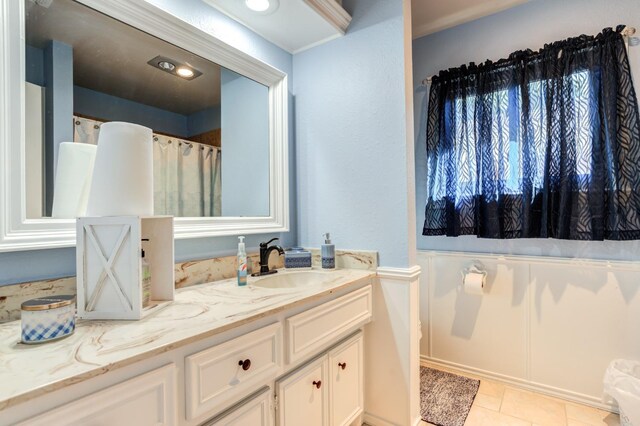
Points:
(48, 318)
(296, 258)
(110, 266)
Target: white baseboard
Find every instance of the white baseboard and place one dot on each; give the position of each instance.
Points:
(371, 420)
(518, 383)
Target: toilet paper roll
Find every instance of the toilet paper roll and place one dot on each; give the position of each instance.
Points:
(73, 179)
(474, 283)
(123, 174)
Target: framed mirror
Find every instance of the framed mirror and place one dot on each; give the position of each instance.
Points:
(218, 117)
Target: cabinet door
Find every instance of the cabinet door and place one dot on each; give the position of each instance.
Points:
(346, 383)
(254, 412)
(303, 396)
(145, 400)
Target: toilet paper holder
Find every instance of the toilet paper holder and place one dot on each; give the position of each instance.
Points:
(475, 267)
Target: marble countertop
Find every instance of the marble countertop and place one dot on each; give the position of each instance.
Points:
(96, 347)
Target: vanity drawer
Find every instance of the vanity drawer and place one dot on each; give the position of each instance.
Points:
(313, 330)
(255, 411)
(216, 377)
(148, 399)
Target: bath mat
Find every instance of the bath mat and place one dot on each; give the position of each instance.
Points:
(445, 398)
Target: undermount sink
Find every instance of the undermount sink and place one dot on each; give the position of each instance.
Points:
(294, 279)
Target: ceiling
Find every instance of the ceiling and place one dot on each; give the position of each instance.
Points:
(295, 25)
(111, 57)
(431, 16)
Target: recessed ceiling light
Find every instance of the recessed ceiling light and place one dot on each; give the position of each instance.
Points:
(166, 65)
(257, 5)
(185, 72)
(175, 68)
(262, 7)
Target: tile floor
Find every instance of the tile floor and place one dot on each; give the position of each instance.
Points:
(501, 405)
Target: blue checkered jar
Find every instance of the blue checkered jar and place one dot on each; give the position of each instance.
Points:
(48, 318)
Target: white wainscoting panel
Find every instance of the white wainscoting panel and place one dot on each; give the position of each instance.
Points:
(469, 329)
(547, 324)
(581, 319)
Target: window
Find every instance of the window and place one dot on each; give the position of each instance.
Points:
(543, 144)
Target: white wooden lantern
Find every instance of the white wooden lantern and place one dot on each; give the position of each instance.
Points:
(109, 265)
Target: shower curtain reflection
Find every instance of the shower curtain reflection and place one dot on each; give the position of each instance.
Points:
(186, 175)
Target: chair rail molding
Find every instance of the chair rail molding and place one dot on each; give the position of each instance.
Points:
(17, 232)
(399, 274)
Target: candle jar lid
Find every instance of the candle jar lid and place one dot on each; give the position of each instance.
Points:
(46, 303)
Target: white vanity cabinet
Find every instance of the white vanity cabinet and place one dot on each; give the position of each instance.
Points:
(326, 392)
(145, 400)
(256, 411)
(219, 375)
(312, 330)
(301, 366)
(303, 397)
(346, 382)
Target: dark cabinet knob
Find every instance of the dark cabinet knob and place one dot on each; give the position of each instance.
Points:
(317, 384)
(245, 364)
(342, 365)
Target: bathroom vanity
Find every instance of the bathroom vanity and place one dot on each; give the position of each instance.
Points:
(288, 350)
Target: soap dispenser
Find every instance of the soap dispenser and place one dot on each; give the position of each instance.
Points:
(242, 263)
(328, 253)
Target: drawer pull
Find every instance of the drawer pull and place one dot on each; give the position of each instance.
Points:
(342, 365)
(317, 384)
(245, 364)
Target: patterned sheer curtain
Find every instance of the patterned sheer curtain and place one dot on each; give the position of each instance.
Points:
(186, 175)
(542, 144)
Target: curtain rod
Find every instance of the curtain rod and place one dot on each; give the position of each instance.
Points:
(626, 33)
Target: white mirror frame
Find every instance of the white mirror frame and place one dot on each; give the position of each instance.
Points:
(19, 233)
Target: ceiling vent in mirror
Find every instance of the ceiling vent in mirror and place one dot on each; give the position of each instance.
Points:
(262, 7)
(174, 67)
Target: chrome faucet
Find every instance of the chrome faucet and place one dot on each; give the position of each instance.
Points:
(265, 251)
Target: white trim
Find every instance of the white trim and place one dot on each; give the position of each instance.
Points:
(399, 290)
(626, 265)
(402, 274)
(317, 43)
(329, 10)
(19, 233)
(372, 420)
(516, 382)
(332, 12)
(469, 14)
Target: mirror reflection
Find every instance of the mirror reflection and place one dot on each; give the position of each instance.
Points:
(210, 125)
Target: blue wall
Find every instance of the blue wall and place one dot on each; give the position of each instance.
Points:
(112, 108)
(245, 139)
(41, 264)
(34, 65)
(351, 136)
(203, 121)
(58, 101)
(527, 26)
